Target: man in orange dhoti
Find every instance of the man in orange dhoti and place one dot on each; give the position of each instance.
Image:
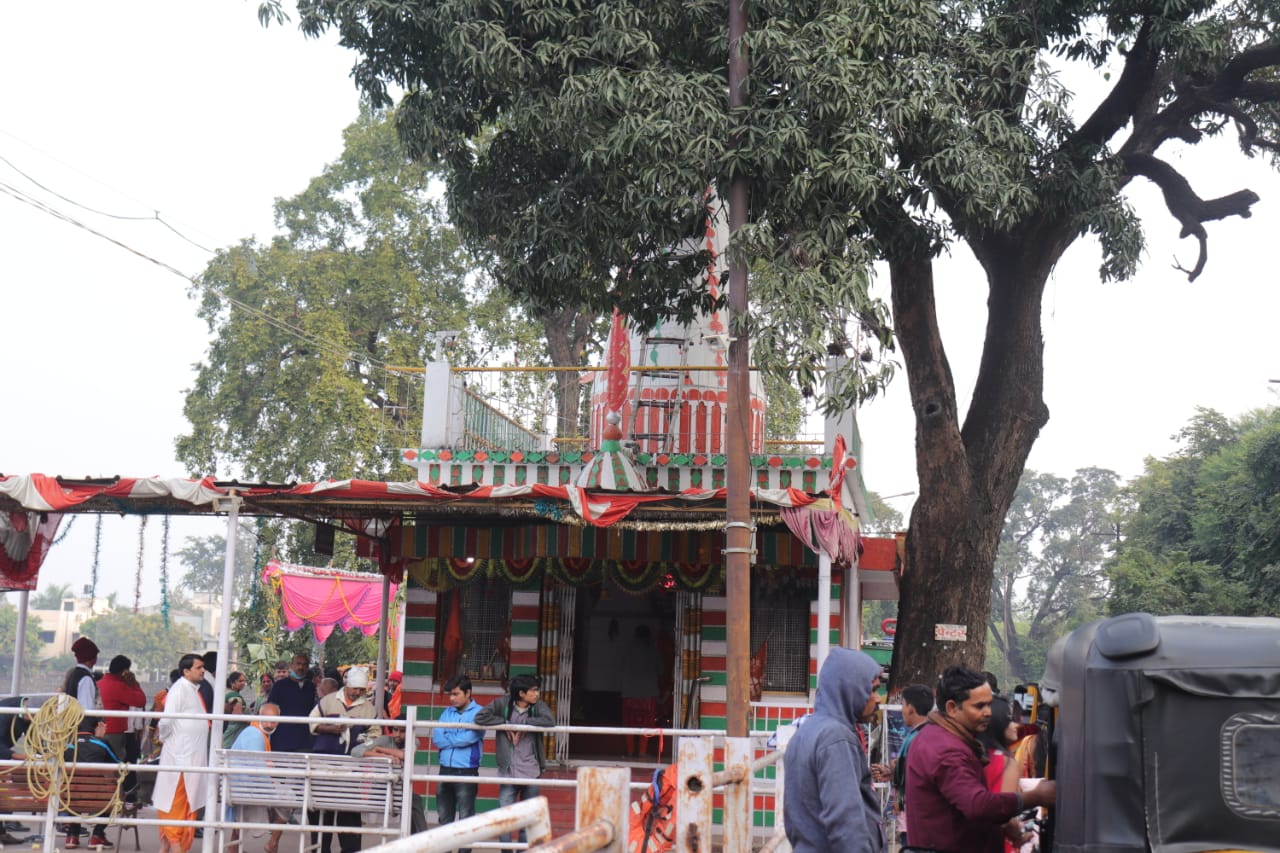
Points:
(178, 795)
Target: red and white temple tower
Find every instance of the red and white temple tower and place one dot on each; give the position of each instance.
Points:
(675, 374)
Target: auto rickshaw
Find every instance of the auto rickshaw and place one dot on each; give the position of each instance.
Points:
(1167, 735)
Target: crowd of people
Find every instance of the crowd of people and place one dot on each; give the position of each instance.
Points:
(179, 739)
(957, 785)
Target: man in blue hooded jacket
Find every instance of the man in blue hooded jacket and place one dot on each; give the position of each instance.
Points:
(822, 810)
(459, 753)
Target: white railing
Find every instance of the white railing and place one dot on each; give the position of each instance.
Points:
(737, 783)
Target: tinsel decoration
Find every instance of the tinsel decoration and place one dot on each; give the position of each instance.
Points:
(258, 562)
(137, 581)
(97, 551)
(164, 574)
(547, 508)
(66, 530)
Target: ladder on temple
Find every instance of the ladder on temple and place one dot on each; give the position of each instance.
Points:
(661, 352)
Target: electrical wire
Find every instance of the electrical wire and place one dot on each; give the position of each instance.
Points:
(289, 328)
(100, 183)
(156, 217)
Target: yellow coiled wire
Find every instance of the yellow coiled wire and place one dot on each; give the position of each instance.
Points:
(52, 732)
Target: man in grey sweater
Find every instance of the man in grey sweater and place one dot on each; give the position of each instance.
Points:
(519, 754)
(830, 806)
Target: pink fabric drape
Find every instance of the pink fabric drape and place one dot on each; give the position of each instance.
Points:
(823, 531)
(326, 599)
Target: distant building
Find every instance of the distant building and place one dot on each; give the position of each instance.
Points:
(203, 614)
(60, 628)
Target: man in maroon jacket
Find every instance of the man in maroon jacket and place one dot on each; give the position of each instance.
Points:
(951, 809)
(120, 691)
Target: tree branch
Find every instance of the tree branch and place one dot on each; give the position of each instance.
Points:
(1188, 208)
(1215, 94)
(1122, 101)
(1248, 128)
(1245, 62)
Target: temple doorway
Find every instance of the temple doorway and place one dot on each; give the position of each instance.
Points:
(623, 664)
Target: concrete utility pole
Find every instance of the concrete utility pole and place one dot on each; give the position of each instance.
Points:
(739, 541)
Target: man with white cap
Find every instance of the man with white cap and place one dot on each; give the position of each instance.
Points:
(351, 702)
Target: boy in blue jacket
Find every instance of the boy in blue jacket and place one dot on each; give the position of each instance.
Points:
(459, 753)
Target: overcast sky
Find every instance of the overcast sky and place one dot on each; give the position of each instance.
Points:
(194, 111)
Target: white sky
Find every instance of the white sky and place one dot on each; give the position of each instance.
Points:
(197, 112)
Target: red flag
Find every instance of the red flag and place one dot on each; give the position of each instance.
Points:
(452, 638)
(619, 362)
(840, 464)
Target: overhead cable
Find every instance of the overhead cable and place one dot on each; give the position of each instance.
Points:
(299, 333)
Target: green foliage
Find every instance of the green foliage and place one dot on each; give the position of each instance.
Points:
(205, 559)
(49, 598)
(1202, 534)
(143, 638)
(1172, 583)
(297, 383)
(31, 645)
(886, 518)
(579, 142)
(1049, 574)
(582, 136)
(578, 138)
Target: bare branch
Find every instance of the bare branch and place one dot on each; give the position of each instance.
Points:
(1187, 207)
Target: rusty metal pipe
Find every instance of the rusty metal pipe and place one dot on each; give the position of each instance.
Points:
(531, 815)
(586, 840)
(732, 776)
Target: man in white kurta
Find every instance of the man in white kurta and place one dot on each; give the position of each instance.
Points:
(185, 744)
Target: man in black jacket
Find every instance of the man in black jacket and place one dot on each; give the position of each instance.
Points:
(90, 747)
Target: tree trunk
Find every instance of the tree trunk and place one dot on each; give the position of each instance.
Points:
(1010, 642)
(967, 475)
(567, 332)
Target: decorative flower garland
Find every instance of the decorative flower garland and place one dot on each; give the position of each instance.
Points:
(633, 576)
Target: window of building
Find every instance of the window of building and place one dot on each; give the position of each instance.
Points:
(780, 623)
(69, 605)
(475, 633)
(47, 636)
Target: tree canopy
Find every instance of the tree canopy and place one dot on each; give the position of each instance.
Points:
(49, 598)
(144, 638)
(205, 560)
(364, 271)
(1203, 531)
(31, 646)
(1049, 574)
(873, 130)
